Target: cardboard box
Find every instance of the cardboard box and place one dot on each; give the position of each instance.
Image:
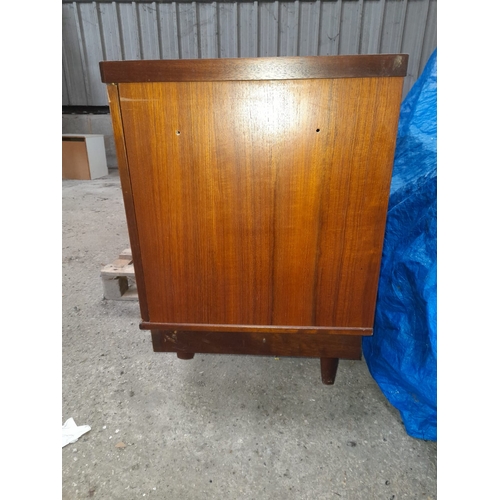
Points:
(83, 156)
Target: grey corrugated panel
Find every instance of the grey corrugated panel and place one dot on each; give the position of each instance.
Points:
(110, 26)
(228, 26)
(393, 26)
(413, 39)
(93, 51)
(248, 29)
(148, 29)
(164, 1)
(309, 28)
(171, 30)
(351, 21)
(329, 38)
(129, 24)
(188, 31)
(65, 94)
(73, 65)
(268, 29)
(288, 28)
(371, 31)
(430, 37)
(209, 41)
(169, 33)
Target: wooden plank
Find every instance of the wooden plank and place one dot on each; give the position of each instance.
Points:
(112, 270)
(122, 262)
(126, 254)
(259, 68)
(268, 344)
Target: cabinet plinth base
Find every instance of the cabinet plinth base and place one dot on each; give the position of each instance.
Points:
(329, 348)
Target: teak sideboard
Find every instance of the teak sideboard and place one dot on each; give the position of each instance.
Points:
(256, 194)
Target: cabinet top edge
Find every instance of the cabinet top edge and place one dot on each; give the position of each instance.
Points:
(257, 68)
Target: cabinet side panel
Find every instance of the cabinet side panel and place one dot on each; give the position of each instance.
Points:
(261, 203)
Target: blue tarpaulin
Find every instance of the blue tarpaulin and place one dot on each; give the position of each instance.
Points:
(402, 354)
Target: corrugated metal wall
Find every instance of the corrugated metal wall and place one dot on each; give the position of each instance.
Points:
(96, 31)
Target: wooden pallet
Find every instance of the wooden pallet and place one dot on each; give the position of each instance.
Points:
(118, 278)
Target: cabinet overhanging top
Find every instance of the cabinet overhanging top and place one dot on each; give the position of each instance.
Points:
(256, 68)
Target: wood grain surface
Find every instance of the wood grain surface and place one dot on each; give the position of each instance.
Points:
(256, 68)
(192, 327)
(260, 202)
(257, 343)
(128, 199)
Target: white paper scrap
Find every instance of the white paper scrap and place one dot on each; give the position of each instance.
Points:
(71, 432)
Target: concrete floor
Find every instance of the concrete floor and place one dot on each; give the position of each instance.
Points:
(223, 427)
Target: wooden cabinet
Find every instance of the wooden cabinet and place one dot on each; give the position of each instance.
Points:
(256, 194)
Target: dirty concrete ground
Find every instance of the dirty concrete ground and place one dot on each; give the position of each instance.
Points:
(215, 427)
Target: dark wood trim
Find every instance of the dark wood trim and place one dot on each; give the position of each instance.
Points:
(185, 355)
(309, 330)
(72, 138)
(128, 199)
(329, 370)
(259, 343)
(257, 68)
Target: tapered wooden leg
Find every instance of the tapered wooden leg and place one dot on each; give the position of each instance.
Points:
(185, 355)
(329, 370)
